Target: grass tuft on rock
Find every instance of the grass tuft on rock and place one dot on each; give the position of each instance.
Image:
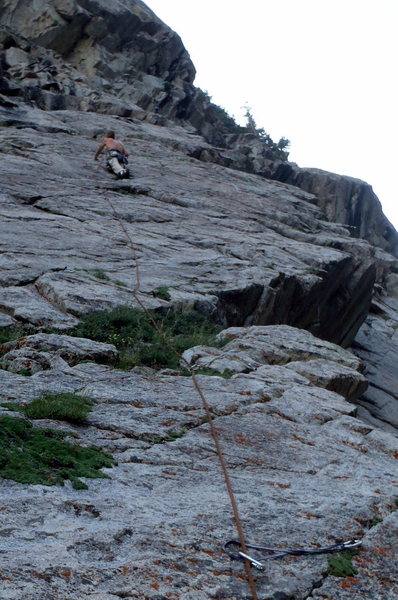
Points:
(141, 343)
(99, 274)
(63, 407)
(41, 456)
(340, 565)
(161, 292)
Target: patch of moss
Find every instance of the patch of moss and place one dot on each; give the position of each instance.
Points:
(203, 420)
(175, 435)
(99, 274)
(172, 436)
(340, 565)
(64, 407)
(42, 456)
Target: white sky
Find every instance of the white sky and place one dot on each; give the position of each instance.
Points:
(322, 73)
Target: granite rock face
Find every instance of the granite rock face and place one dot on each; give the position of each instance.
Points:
(321, 363)
(377, 344)
(304, 469)
(307, 427)
(346, 200)
(246, 251)
(111, 57)
(119, 58)
(241, 249)
(115, 41)
(72, 349)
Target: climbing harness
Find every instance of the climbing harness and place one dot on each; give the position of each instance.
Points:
(117, 163)
(279, 552)
(122, 158)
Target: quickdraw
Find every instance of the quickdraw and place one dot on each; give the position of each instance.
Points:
(279, 552)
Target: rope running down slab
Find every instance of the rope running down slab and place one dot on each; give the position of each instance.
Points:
(213, 431)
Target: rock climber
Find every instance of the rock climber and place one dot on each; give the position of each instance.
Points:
(116, 155)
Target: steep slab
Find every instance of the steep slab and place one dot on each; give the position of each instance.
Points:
(240, 248)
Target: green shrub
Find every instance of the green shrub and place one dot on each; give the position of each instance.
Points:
(140, 342)
(172, 436)
(227, 122)
(122, 326)
(278, 149)
(42, 456)
(64, 407)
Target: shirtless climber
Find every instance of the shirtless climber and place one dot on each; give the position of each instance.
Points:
(116, 155)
